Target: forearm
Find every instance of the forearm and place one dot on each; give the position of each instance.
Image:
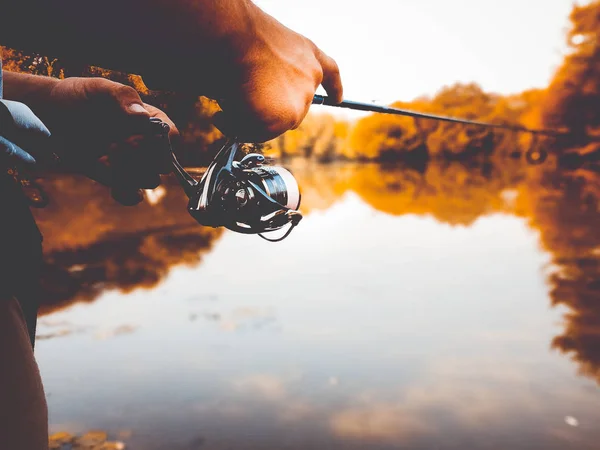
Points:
(31, 90)
(146, 37)
(263, 74)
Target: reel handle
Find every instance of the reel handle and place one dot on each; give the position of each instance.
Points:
(187, 182)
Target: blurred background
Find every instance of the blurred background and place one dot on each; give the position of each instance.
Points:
(442, 291)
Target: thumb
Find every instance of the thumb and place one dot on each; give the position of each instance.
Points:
(136, 115)
(130, 102)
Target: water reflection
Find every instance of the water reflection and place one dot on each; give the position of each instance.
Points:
(452, 193)
(93, 244)
(565, 208)
(563, 205)
(414, 308)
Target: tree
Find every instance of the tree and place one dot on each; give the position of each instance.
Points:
(379, 136)
(574, 94)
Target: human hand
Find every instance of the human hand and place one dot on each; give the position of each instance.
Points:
(263, 74)
(277, 75)
(101, 128)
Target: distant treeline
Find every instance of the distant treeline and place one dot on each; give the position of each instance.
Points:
(389, 138)
(570, 102)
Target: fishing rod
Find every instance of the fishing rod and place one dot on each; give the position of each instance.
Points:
(250, 197)
(369, 107)
(239, 191)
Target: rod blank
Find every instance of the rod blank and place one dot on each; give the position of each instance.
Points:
(358, 106)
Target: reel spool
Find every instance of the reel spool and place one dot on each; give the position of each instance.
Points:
(244, 196)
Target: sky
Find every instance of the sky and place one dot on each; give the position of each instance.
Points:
(390, 50)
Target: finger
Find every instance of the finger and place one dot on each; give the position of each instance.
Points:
(134, 116)
(156, 149)
(133, 166)
(245, 124)
(14, 153)
(155, 112)
(130, 102)
(332, 81)
(243, 128)
(102, 173)
(126, 178)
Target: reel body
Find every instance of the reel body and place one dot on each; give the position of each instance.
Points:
(244, 196)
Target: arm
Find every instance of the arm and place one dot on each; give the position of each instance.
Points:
(94, 119)
(32, 90)
(128, 35)
(264, 73)
(66, 104)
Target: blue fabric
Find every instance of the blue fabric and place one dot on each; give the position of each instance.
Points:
(24, 131)
(21, 131)
(13, 152)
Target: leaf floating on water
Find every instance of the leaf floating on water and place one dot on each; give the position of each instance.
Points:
(93, 440)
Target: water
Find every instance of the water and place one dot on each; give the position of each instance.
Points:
(447, 309)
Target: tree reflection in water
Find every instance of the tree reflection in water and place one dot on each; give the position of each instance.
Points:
(565, 209)
(92, 244)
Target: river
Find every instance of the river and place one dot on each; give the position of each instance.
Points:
(449, 307)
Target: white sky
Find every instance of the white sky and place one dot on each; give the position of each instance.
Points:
(391, 50)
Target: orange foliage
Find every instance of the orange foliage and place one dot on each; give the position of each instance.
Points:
(15, 61)
(570, 103)
(319, 136)
(574, 93)
(402, 136)
(452, 193)
(381, 137)
(376, 136)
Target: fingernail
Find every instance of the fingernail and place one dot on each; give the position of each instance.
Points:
(136, 108)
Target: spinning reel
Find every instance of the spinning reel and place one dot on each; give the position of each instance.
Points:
(244, 196)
